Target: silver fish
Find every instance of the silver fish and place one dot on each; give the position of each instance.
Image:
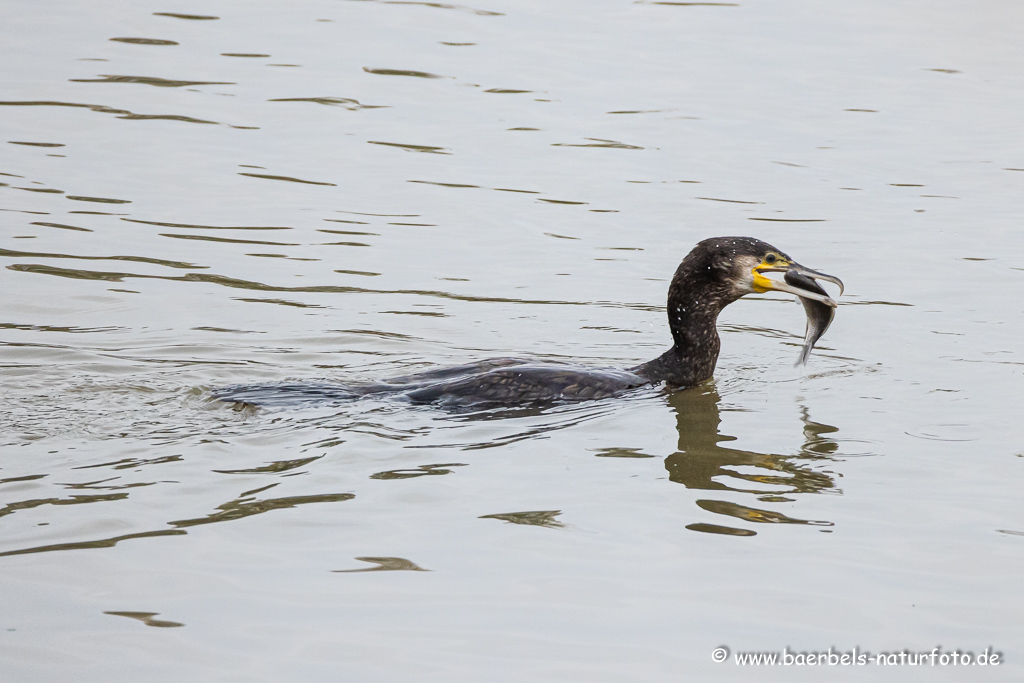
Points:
(819, 315)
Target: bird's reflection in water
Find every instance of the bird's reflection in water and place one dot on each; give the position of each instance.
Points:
(701, 463)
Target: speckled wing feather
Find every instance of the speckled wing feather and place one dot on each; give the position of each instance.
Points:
(527, 384)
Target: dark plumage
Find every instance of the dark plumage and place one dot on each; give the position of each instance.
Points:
(717, 272)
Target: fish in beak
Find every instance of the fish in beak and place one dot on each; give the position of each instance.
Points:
(819, 307)
(796, 279)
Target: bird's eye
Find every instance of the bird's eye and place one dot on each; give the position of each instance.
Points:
(770, 258)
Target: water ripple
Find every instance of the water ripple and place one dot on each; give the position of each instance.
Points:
(147, 80)
(401, 72)
(84, 545)
(413, 148)
(136, 259)
(193, 17)
(323, 289)
(144, 41)
(147, 619)
(439, 5)
(347, 103)
(384, 564)
(289, 179)
(242, 508)
(544, 518)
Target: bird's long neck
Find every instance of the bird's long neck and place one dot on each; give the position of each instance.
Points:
(694, 303)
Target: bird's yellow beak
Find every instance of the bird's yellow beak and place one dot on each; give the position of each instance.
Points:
(780, 264)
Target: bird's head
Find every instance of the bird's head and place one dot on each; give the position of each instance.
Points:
(741, 265)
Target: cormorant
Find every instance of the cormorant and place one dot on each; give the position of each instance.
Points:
(717, 272)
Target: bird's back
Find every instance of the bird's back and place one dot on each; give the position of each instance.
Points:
(526, 383)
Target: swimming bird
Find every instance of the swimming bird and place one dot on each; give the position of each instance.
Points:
(715, 273)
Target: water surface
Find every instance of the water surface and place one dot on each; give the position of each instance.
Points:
(204, 194)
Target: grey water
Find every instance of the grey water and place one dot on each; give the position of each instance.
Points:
(198, 195)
